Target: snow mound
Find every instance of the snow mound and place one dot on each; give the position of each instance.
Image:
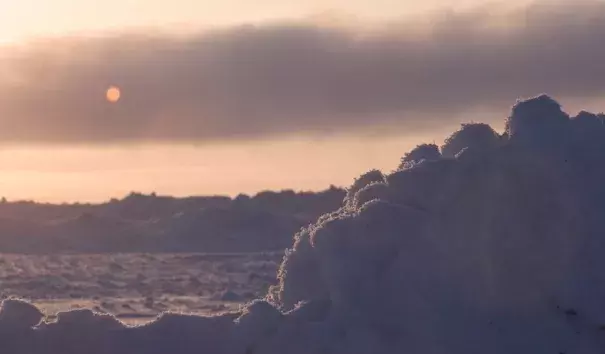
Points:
(19, 314)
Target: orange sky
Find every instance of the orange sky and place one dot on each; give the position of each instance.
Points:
(99, 172)
(96, 174)
(31, 18)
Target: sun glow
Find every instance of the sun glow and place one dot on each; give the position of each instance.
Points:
(113, 94)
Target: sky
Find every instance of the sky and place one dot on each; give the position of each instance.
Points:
(239, 96)
(35, 18)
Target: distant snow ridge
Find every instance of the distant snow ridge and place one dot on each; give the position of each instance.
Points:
(495, 248)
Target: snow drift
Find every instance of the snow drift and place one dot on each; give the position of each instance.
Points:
(494, 248)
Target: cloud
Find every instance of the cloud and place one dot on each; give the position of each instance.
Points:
(297, 78)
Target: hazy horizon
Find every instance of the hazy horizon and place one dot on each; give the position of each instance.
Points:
(96, 174)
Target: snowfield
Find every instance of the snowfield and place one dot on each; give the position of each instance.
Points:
(137, 287)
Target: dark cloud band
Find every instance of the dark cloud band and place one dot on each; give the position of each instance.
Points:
(271, 80)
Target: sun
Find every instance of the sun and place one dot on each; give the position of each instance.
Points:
(113, 94)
